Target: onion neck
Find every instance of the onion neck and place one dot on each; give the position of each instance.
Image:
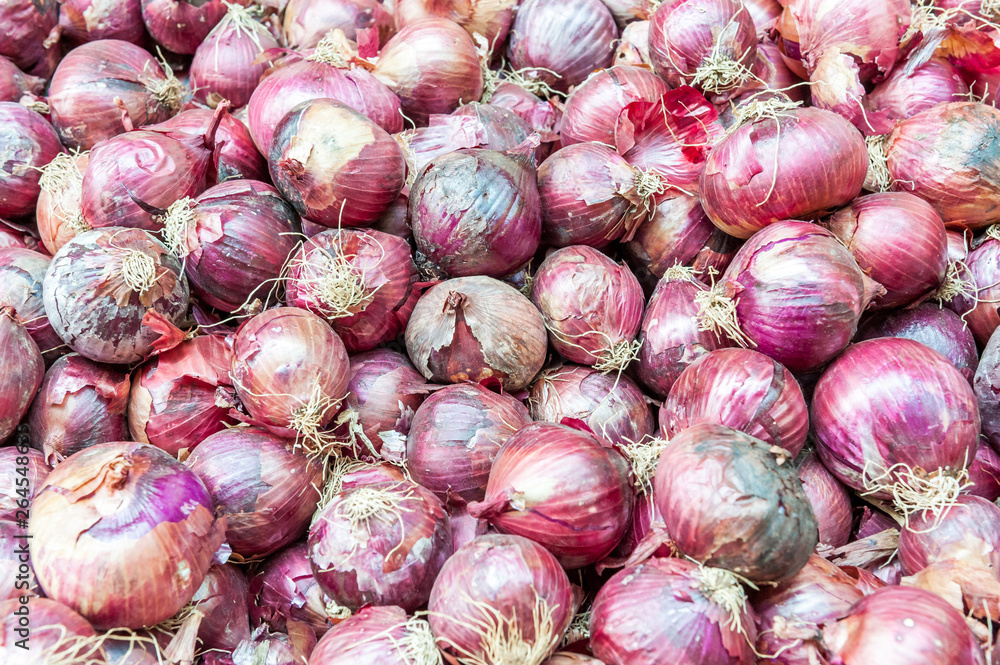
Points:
(177, 223)
(915, 491)
(334, 50)
(723, 588)
(644, 456)
(138, 271)
(878, 178)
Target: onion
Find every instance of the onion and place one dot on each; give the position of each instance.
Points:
(741, 389)
(560, 44)
(91, 20)
(381, 635)
(79, 404)
(26, 32)
(15, 84)
(225, 64)
(306, 22)
(182, 396)
(501, 128)
(24, 370)
(984, 472)
(235, 240)
(21, 275)
(765, 13)
(629, 12)
(284, 590)
(974, 300)
(334, 165)
(633, 47)
(593, 109)
(965, 531)
(591, 306)
(266, 489)
(18, 580)
(59, 213)
(27, 142)
(794, 293)
(986, 384)
(291, 372)
(180, 25)
(273, 649)
(360, 281)
(489, 18)
(222, 598)
(380, 544)
(910, 90)
(433, 67)
(501, 599)
(788, 164)
(708, 44)
(895, 419)
(455, 435)
(540, 115)
(830, 501)
(671, 336)
(475, 328)
(57, 634)
(18, 235)
(728, 500)
(119, 503)
(672, 611)
(612, 406)
(115, 295)
(92, 76)
(770, 67)
(33, 468)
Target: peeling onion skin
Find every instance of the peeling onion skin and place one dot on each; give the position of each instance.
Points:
(51, 622)
(284, 589)
(182, 396)
(334, 165)
(702, 485)
(27, 142)
(267, 490)
(22, 272)
(94, 310)
(15, 84)
(24, 371)
(983, 269)
(934, 423)
(475, 328)
(967, 531)
(222, 597)
(179, 25)
(654, 613)
(984, 472)
(79, 404)
(36, 470)
(489, 18)
(306, 22)
(592, 109)
(148, 507)
(830, 500)
(741, 389)
(91, 20)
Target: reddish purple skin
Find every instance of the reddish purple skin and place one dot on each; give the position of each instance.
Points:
(987, 387)
(284, 589)
(502, 129)
(904, 94)
(21, 274)
(24, 370)
(12, 539)
(14, 83)
(592, 110)
(969, 531)
(25, 26)
(984, 472)
(306, 22)
(223, 598)
(386, 391)
(225, 64)
(181, 25)
(27, 142)
(10, 468)
(981, 315)
(373, 635)
(119, 20)
(830, 500)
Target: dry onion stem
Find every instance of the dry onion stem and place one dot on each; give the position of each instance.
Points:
(306, 421)
(579, 628)
(176, 222)
(648, 184)
(717, 314)
(334, 50)
(243, 20)
(724, 589)
(644, 456)
(62, 178)
(169, 91)
(138, 271)
(335, 611)
(915, 491)
(954, 285)
(878, 178)
(520, 77)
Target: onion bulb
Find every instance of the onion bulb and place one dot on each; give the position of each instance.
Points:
(27, 143)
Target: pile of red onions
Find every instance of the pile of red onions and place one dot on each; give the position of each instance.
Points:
(20, 354)
(27, 142)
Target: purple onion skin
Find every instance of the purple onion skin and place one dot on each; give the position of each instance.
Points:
(935, 327)
(984, 472)
(903, 93)
(179, 25)
(15, 582)
(24, 27)
(983, 270)
(55, 629)
(373, 635)
(27, 142)
(502, 129)
(904, 401)
(284, 589)
(223, 598)
(476, 212)
(23, 372)
(306, 22)
(830, 500)
(968, 531)
(80, 403)
(90, 20)
(22, 272)
(654, 613)
(224, 64)
(15, 84)
(592, 110)
(265, 488)
(35, 470)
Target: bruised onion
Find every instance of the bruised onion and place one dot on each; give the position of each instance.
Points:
(116, 504)
(19, 462)
(41, 631)
(22, 272)
(383, 635)
(183, 395)
(92, 20)
(380, 544)
(830, 501)
(475, 328)
(115, 295)
(59, 212)
(703, 484)
(80, 404)
(593, 109)
(306, 22)
(965, 531)
(24, 371)
(284, 590)
(180, 25)
(984, 472)
(27, 142)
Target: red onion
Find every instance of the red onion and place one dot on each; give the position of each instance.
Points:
(898, 240)
(18, 235)
(455, 435)
(501, 128)
(909, 90)
(765, 13)
(591, 306)
(27, 30)
(291, 372)
(54, 634)
(501, 599)
(92, 76)
(381, 635)
(984, 472)
(15, 84)
(489, 18)
(18, 580)
(360, 281)
(741, 389)
(27, 142)
(265, 648)
(593, 109)
(380, 544)
(334, 165)
(183, 395)
(965, 531)
(180, 25)
(79, 404)
(633, 47)
(115, 295)
(15, 463)
(477, 212)
(784, 165)
(830, 501)
(284, 590)
(708, 44)
(612, 406)
(116, 504)
(889, 415)
(541, 115)
(266, 489)
(974, 299)
(306, 22)
(59, 213)
(672, 611)
(560, 44)
(235, 240)
(629, 12)
(92, 20)
(225, 64)
(794, 293)
(987, 388)
(433, 67)
(729, 500)
(902, 626)
(21, 275)
(24, 370)
(222, 598)
(770, 67)
(475, 328)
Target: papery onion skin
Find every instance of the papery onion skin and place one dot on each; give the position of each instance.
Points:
(701, 487)
(162, 516)
(982, 268)
(88, 80)
(306, 22)
(654, 613)
(91, 20)
(284, 589)
(540, 478)
(489, 18)
(25, 370)
(96, 311)
(633, 46)
(612, 406)
(748, 181)
(906, 402)
(984, 472)
(904, 93)
(501, 129)
(222, 597)
(965, 531)
(58, 634)
(21, 274)
(26, 27)
(180, 26)
(59, 213)
(27, 142)
(265, 488)
(475, 328)
(35, 470)
(390, 555)
(334, 165)
(563, 43)
(79, 404)
(741, 389)
(830, 500)
(381, 635)
(592, 110)
(499, 577)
